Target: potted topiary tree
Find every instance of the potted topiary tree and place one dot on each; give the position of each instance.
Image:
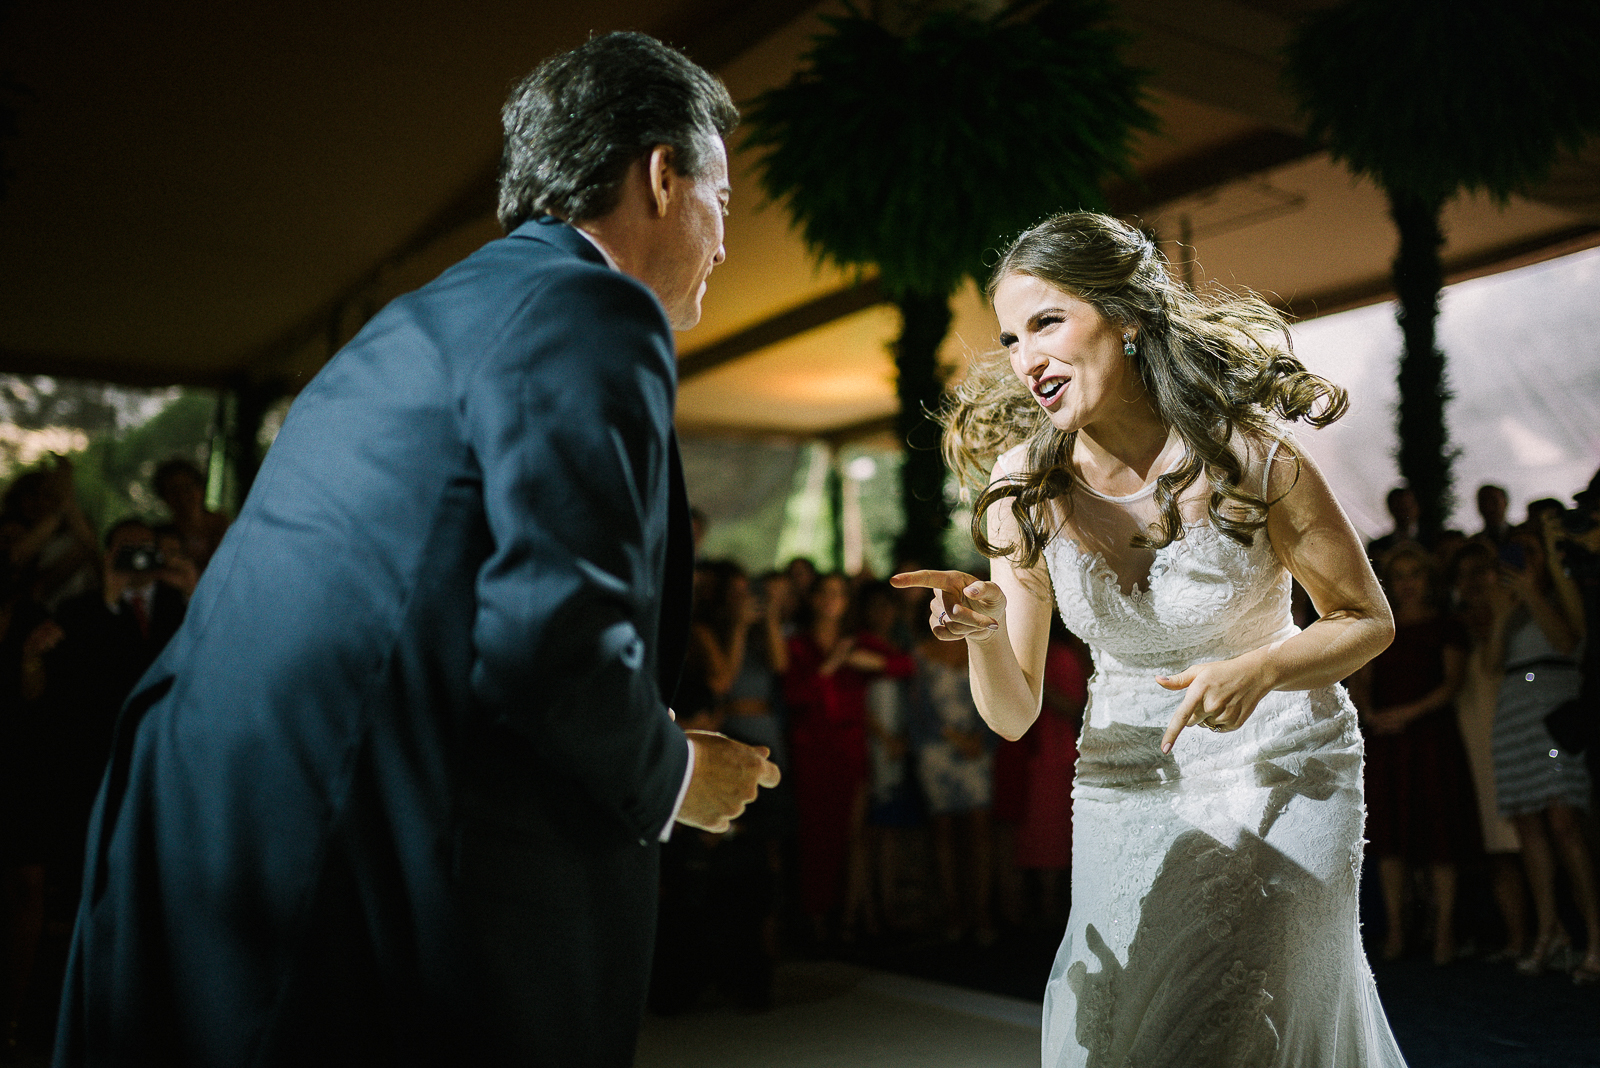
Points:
(911, 144)
(1429, 98)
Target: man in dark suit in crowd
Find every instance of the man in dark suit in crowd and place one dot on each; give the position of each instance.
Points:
(393, 794)
(1492, 505)
(1402, 505)
(108, 637)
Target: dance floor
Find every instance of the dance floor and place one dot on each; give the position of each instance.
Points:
(830, 1014)
(833, 1015)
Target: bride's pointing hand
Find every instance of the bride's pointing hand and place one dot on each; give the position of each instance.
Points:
(962, 606)
(1221, 696)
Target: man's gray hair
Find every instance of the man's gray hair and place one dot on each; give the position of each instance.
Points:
(577, 123)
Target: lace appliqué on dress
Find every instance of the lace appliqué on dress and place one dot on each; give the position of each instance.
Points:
(1214, 887)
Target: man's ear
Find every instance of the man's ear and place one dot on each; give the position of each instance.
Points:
(663, 179)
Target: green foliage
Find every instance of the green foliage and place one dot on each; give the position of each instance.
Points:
(129, 433)
(1429, 97)
(915, 153)
(113, 473)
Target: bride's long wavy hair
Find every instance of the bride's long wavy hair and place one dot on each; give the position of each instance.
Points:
(1215, 367)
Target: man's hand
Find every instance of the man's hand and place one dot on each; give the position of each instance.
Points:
(180, 573)
(727, 776)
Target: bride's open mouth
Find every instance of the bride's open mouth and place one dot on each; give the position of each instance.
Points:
(1048, 390)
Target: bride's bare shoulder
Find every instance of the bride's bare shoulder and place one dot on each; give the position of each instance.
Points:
(1011, 463)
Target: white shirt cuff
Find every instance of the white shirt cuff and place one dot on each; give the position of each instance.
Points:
(688, 773)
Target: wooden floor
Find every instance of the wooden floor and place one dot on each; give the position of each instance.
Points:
(833, 1015)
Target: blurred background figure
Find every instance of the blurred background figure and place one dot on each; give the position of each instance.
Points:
(1536, 628)
(895, 806)
(66, 686)
(51, 552)
(182, 488)
(1044, 838)
(739, 647)
(1492, 505)
(1402, 505)
(1420, 807)
(802, 577)
(954, 756)
(830, 666)
(717, 917)
(1477, 571)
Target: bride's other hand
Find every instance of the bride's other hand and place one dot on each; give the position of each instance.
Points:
(1221, 696)
(963, 606)
(1315, 542)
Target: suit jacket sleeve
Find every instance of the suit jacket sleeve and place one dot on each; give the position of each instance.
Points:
(571, 422)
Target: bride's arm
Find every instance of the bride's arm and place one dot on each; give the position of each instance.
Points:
(1005, 623)
(1007, 667)
(1314, 540)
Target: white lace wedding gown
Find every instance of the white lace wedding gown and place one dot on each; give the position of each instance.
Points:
(1213, 888)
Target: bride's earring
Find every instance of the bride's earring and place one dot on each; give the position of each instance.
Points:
(1127, 345)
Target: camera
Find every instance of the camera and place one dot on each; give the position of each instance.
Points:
(138, 559)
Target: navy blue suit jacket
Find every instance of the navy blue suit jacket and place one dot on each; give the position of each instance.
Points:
(392, 794)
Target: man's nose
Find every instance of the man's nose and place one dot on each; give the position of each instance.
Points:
(722, 254)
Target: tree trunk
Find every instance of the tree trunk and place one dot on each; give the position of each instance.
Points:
(925, 319)
(1425, 454)
(835, 511)
(247, 411)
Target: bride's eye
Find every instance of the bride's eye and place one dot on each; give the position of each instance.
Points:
(1007, 340)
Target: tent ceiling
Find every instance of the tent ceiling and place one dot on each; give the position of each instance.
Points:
(214, 194)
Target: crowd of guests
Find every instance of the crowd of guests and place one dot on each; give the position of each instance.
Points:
(900, 814)
(81, 618)
(1482, 725)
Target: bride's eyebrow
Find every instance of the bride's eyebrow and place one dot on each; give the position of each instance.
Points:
(1007, 338)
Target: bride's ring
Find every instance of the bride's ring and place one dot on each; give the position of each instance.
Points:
(1212, 725)
(944, 617)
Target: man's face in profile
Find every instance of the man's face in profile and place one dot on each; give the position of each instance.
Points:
(696, 219)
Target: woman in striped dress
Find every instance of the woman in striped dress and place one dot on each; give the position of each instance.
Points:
(1534, 639)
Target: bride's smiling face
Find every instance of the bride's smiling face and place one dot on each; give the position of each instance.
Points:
(1068, 355)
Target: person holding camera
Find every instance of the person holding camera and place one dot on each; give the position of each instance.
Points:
(109, 637)
(74, 671)
(1535, 636)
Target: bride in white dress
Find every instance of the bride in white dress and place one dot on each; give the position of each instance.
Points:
(1140, 470)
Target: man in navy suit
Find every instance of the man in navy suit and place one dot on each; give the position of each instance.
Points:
(393, 794)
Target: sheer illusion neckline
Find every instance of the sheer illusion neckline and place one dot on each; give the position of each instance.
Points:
(1139, 494)
(1093, 562)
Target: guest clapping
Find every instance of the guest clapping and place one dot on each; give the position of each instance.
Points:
(830, 666)
(1535, 632)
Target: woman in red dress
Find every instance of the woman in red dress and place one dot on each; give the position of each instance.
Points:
(830, 666)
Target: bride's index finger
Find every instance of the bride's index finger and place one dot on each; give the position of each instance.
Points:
(949, 581)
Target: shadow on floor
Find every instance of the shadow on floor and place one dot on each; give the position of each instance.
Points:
(1467, 1015)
